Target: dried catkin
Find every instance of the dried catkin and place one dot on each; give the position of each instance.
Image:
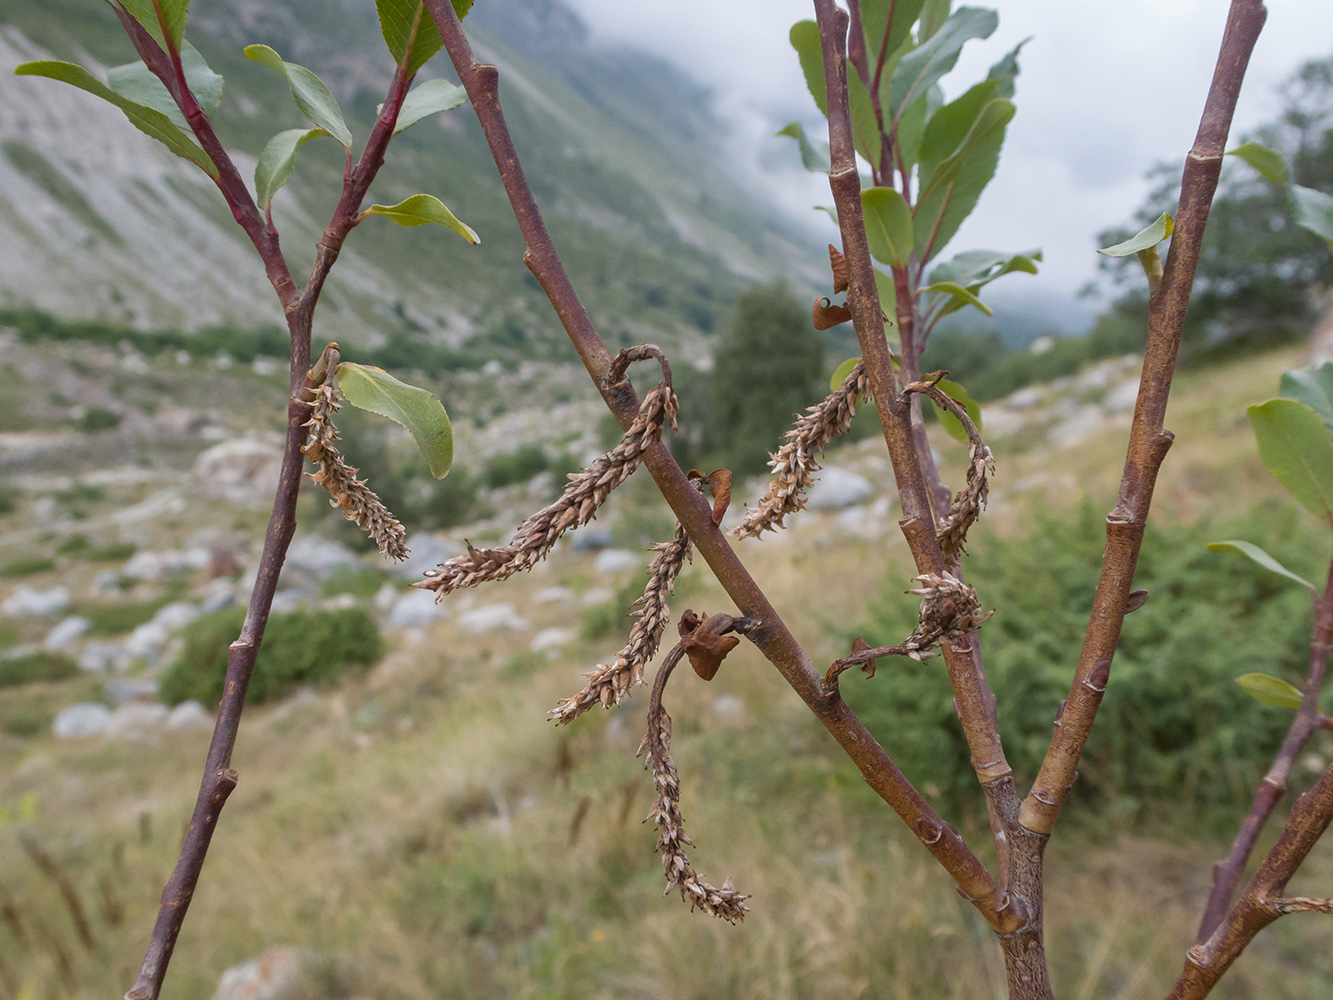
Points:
(358, 503)
(795, 464)
(609, 684)
(724, 902)
(577, 505)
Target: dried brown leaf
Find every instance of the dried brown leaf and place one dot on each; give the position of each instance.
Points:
(839, 264)
(826, 315)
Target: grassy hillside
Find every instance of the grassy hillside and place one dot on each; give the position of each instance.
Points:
(654, 233)
(424, 833)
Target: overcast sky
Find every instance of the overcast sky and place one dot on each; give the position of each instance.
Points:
(1106, 91)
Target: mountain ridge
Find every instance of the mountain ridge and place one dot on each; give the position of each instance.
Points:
(100, 224)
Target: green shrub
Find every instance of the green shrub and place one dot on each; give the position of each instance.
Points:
(117, 619)
(516, 467)
(40, 666)
(300, 647)
(1173, 724)
(611, 618)
(350, 578)
(72, 544)
(97, 419)
(27, 567)
(115, 552)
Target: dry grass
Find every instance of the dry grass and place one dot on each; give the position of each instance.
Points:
(428, 833)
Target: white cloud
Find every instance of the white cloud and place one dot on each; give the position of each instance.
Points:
(1106, 91)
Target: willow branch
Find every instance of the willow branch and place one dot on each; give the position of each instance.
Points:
(771, 634)
(218, 778)
(971, 692)
(1148, 441)
(1262, 901)
(1227, 872)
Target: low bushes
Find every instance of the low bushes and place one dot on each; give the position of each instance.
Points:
(300, 647)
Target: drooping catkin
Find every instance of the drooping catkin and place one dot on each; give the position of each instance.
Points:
(586, 492)
(358, 502)
(724, 902)
(969, 501)
(610, 683)
(794, 466)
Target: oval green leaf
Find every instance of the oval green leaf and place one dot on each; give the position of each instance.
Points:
(1313, 387)
(1270, 690)
(136, 82)
(1312, 210)
(147, 120)
(421, 209)
(277, 162)
(958, 297)
(428, 98)
(1267, 161)
(1259, 556)
(923, 66)
(958, 394)
(1145, 238)
(409, 32)
(888, 220)
(308, 91)
(840, 374)
(814, 157)
(1294, 444)
(374, 389)
(173, 13)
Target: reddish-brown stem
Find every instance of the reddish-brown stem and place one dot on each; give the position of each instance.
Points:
(918, 521)
(229, 181)
(1148, 441)
(299, 307)
(1262, 901)
(1227, 872)
(770, 635)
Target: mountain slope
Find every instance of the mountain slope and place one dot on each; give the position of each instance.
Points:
(98, 221)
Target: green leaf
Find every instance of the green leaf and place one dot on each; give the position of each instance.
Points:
(1144, 239)
(1267, 161)
(991, 120)
(173, 12)
(309, 92)
(912, 125)
(1312, 210)
(1270, 690)
(875, 16)
(1313, 387)
(428, 98)
(804, 39)
(957, 181)
(888, 293)
(958, 394)
(841, 372)
(974, 269)
(147, 120)
(814, 156)
(865, 124)
(1259, 556)
(409, 32)
(374, 389)
(933, 16)
(888, 220)
(950, 125)
(1006, 70)
(959, 297)
(136, 82)
(923, 66)
(421, 209)
(277, 162)
(1294, 444)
